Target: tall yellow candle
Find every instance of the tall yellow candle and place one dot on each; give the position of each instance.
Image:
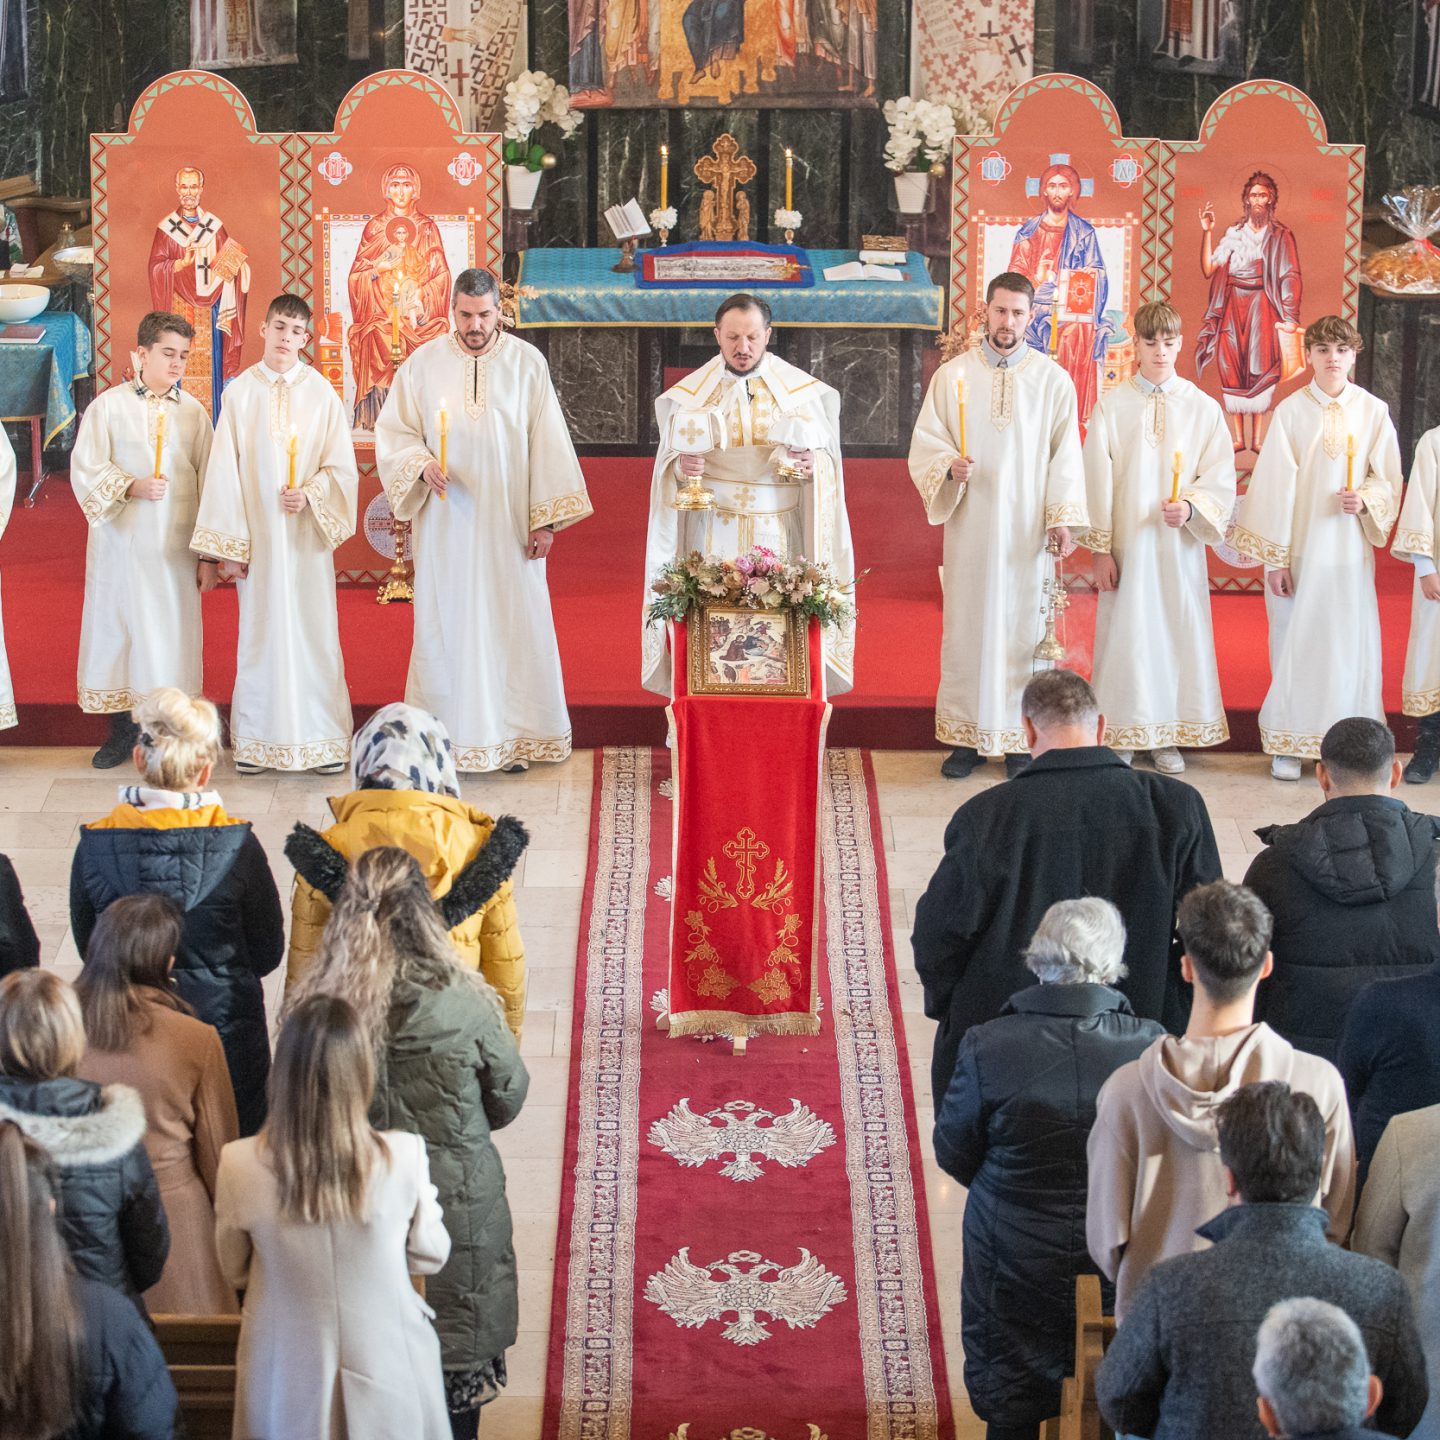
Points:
(664, 175)
(1055, 329)
(789, 178)
(159, 440)
(960, 400)
(444, 433)
(1349, 462)
(1175, 480)
(292, 446)
(395, 314)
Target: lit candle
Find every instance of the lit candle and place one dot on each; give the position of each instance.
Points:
(444, 433)
(159, 440)
(960, 400)
(664, 175)
(1175, 481)
(293, 445)
(1054, 330)
(394, 314)
(1349, 462)
(789, 177)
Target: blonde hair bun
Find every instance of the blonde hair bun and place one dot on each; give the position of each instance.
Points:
(179, 737)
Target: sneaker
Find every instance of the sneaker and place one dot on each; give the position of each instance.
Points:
(338, 767)
(118, 747)
(1285, 767)
(960, 762)
(516, 768)
(1422, 765)
(1168, 761)
(1014, 764)
(249, 767)
(1128, 756)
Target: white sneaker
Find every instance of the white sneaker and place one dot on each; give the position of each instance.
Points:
(1128, 756)
(1285, 767)
(1168, 761)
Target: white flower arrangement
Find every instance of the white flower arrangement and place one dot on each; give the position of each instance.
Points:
(788, 219)
(533, 99)
(663, 219)
(921, 132)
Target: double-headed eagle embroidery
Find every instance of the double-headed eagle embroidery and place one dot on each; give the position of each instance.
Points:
(736, 1128)
(691, 1295)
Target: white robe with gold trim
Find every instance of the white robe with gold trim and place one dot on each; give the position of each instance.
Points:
(291, 708)
(8, 717)
(1325, 656)
(141, 625)
(485, 658)
(781, 405)
(1155, 672)
(1418, 534)
(1023, 434)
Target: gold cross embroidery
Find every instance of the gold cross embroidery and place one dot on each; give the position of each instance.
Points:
(692, 430)
(745, 849)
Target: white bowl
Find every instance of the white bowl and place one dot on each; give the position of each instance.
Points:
(19, 303)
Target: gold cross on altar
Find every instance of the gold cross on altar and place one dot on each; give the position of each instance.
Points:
(745, 849)
(692, 430)
(724, 168)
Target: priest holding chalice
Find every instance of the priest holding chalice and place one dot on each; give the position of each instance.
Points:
(749, 455)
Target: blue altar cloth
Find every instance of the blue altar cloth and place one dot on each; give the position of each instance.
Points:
(37, 378)
(578, 288)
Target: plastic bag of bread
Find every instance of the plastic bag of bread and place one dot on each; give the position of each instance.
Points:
(1414, 267)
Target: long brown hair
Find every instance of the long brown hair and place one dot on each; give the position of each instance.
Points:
(127, 969)
(384, 928)
(41, 1332)
(318, 1134)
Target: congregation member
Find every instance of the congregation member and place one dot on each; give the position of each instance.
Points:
(1399, 1222)
(1180, 1365)
(449, 1070)
(1417, 541)
(1013, 850)
(171, 835)
(1155, 1174)
(1313, 1374)
(484, 657)
(771, 414)
(19, 944)
(1351, 889)
(321, 1220)
(140, 1033)
(9, 717)
(1012, 1130)
(137, 471)
(110, 1211)
(407, 793)
(280, 496)
(1160, 488)
(1322, 498)
(996, 458)
(76, 1360)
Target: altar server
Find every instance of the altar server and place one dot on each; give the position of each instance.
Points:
(137, 469)
(1160, 486)
(472, 448)
(767, 412)
(996, 458)
(1417, 539)
(1324, 492)
(279, 498)
(8, 717)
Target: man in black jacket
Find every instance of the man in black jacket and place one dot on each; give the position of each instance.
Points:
(1076, 821)
(1180, 1365)
(1351, 888)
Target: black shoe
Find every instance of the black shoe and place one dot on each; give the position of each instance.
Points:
(116, 750)
(1014, 764)
(960, 762)
(1423, 764)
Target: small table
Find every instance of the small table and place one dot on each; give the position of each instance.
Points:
(37, 380)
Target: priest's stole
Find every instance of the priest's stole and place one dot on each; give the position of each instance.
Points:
(745, 926)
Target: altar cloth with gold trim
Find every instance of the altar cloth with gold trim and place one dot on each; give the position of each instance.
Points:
(568, 287)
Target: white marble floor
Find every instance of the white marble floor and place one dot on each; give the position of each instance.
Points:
(46, 794)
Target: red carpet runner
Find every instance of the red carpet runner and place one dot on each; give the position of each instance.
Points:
(743, 1240)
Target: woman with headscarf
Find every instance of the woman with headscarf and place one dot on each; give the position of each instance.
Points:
(407, 793)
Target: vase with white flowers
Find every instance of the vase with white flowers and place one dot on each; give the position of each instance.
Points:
(921, 132)
(533, 100)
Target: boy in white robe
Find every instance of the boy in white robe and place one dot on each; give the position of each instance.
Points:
(8, 717)
(137, 469)
(1153, 438)
(1324, 492)
(1417, 541)
(280, 496)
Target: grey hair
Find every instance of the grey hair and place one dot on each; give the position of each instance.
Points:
(1078, 942)
(1311, 1365)
(477, 284)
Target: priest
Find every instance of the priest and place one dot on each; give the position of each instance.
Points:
(763, 412)
(996, 458)
(472, 448)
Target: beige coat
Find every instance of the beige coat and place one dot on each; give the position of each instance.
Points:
(178, 1066)
(1155, 1172)
(1399, 1223)
(334, 1340)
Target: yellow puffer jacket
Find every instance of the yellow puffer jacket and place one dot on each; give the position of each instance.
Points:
(444, 835)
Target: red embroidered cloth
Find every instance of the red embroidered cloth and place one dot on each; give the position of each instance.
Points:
(745, 927)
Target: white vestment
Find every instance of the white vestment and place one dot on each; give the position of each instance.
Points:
(485, 659)
(141, 625)
(8, 717)
(1417, 536)
(1022, 432)
(1325, 639)
(291, 708)
(1155, 672)
(774, 404)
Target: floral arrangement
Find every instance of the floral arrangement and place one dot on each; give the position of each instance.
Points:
(533, 99)
(920, 133)
(758, 580)
(787, 219)
(663, 218)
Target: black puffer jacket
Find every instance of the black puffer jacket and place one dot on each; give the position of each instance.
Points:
(234, 927)
(1013, 1128)
(1352, 890)
(108, 1204)
(126, 1388)
(19, 945)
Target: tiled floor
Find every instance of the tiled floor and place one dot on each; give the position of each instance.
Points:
(46, 794)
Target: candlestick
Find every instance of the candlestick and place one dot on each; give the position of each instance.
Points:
(664, 176)
(159, 440)
(1349, 462)
(960, 399)
(292, 445)
(1175, 481)
(789, 177)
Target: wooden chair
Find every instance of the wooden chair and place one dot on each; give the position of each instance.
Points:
(199, 1351)
(1079, 1413)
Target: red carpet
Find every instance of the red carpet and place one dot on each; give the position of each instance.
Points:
(743, 1244)
(595, 575)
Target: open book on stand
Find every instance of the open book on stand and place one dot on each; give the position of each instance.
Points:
(627, 221)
